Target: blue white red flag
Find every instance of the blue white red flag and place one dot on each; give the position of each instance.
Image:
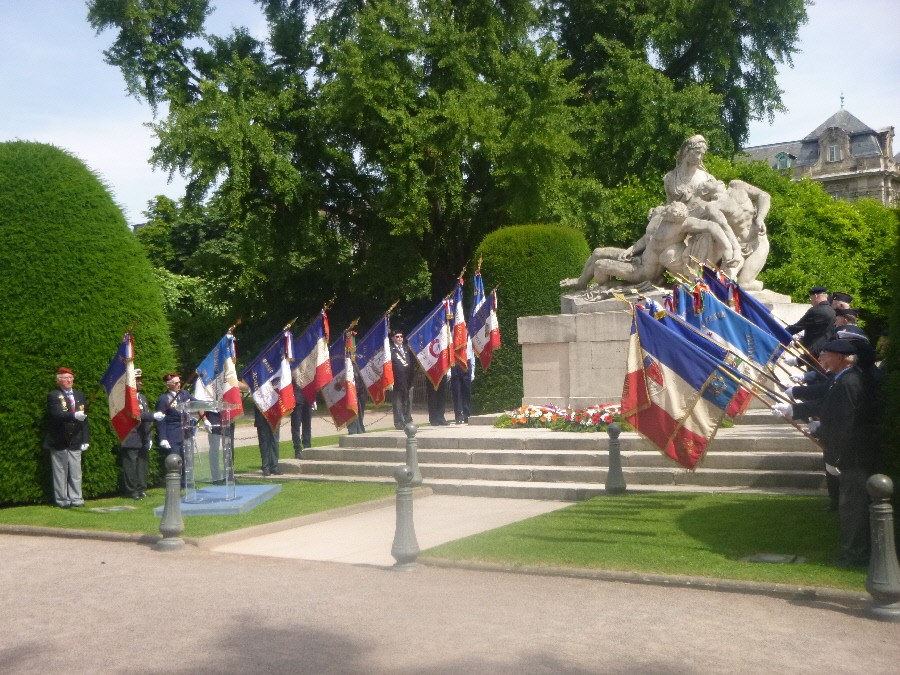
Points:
(217, 378)
(674, 394)
(460, 332)
(340, 392)
(485, 330)
(312, 366)
(718, 321)
(746, 305)
(430, 343)
(121, 389)
(269, 379)
(726, 360)
(373, 358)
(478, 299)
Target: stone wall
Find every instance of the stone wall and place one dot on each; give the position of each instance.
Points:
(577, 358)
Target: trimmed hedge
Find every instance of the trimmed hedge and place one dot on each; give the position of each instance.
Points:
(73, 278)
(527, 261)
(889, 457)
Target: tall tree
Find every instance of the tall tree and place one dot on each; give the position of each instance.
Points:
(732, 48)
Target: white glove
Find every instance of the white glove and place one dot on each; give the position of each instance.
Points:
(159, 416)
(207, 424)
(785, 410)
(790, 360)
(165, 444)
(80, 415)
(833, 470)
(85, 446)
(799, 379)
(813, 426)
(313, 406)
(149, 445)
(789, 392)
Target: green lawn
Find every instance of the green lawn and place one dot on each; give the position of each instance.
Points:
(297, 498)
(685, 534)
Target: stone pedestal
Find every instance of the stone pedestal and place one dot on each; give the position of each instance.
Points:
(577, 358)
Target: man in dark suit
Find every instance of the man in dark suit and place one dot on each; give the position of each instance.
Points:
(817, 323)
(134, 452)
(169, 420)
(67, 436)
(849, 432)
(402, 364)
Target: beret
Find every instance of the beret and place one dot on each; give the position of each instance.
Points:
(815, 290)
(852, 311)
(170, 376)
(138, 372)
(64, 371)
(843, 297)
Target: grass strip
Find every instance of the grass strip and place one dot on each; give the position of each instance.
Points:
(685, 534)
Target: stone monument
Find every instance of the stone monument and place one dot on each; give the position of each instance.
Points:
(577, 358)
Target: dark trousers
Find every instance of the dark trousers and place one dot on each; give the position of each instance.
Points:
(268, 446)
(301, 425)
(134, 470)
(437, 401)
(461, 386)
(853, 511)
(358, 426)
(401, 405)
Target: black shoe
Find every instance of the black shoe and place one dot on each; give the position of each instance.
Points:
(219, 482)
(265, 473)
(64, 506)
(277, 472)
(298, 455)
(398, 427)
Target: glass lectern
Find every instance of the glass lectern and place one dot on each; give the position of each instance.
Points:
(208, 466)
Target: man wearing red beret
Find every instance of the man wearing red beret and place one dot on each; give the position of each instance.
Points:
(67, 436)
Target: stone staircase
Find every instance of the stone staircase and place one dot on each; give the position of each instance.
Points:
(759, 455)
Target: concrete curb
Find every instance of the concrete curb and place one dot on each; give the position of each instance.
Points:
(849, 599)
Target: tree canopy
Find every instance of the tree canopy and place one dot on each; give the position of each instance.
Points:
(364, 149)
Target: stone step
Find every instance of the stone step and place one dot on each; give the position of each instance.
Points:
(756, 438)
(650, 475)
(797, 461)
(567, 491)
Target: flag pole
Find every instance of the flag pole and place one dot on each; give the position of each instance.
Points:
(792, 422)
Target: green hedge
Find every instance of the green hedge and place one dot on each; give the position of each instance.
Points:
(889, 457)
(528, 262)
(73, 278)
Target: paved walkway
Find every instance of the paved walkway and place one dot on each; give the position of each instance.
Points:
(366, 538)
(86, 606)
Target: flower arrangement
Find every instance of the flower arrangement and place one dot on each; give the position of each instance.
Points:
(594, 418)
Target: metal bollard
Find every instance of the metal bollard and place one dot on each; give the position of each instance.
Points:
(883, 579)
(412, 453)
(615, 481)
(405, 548)
(172, 524)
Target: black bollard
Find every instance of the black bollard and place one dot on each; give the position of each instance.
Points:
(412, 453)
(615, 481)
(172, 524)
(883, 579)
(405, 548)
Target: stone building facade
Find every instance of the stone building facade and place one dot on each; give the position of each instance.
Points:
(850, 159)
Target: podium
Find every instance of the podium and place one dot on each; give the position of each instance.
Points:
(193, 461)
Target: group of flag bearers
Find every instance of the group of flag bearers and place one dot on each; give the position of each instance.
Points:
(306, 363)
(701, 357)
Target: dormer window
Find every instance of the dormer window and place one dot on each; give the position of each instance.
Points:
(782, 161)
(834, 153)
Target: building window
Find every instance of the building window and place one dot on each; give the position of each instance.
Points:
(782, 161)
(834, 153)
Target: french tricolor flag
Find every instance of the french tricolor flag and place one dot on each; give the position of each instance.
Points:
(430, 342)
(485, 330)
(312, 366)
(340, 392)
(121, 389)
(674, 394)
(373, 358)
(217, 378)
(460, 331)
(269, 379)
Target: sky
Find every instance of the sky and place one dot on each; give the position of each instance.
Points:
(55, 87)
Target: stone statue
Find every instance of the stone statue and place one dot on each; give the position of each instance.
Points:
(703, 220)
(662, 247)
